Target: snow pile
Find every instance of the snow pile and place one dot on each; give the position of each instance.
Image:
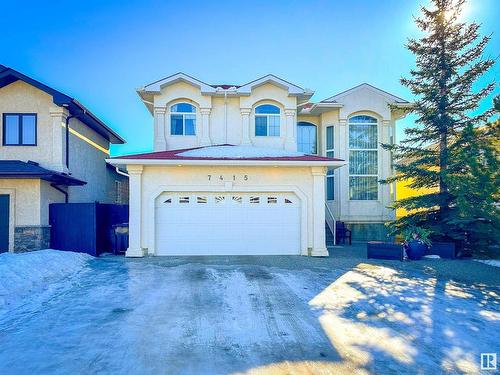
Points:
(432, 256)
(489, 262)
(22, 274)
(239, 152)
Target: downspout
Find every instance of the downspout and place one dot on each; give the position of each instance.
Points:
(66, 194)
(67, 135)
(67, 140)
(120, 172)
(225, 115)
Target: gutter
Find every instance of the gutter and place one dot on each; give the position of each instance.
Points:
(120, 172)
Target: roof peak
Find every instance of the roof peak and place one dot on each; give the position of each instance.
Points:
(10, 75)
(393, 97)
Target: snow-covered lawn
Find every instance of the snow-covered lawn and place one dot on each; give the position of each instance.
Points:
(69, 314)
(33, 273)
(489, 262)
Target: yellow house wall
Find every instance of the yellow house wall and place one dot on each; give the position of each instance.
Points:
(403, 190)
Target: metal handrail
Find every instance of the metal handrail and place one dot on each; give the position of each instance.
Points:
(333, 225)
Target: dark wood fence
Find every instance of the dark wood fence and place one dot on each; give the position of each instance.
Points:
(85, 227)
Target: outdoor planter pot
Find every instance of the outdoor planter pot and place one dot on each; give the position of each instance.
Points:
(416, 249)
(384, 250)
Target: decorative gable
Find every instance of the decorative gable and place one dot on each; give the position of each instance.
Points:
(293, 90)
(155, 87)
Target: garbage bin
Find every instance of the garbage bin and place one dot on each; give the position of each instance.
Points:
(120, 242)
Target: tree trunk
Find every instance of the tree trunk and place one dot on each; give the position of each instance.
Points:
(443, 168)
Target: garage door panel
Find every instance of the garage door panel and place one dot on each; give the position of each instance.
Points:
(227, 224)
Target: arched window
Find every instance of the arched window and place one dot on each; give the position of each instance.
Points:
(363, 158)
(330, 173)
(267, 120)
(183, 119)
(307, 138)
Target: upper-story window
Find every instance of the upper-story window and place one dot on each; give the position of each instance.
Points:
(19, 129)
(267, 120)
(307, 138)
(183, 119)
(363, 158)
(330, 174)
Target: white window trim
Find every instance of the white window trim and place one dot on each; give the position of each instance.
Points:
(183, 114)
(327, 150)
(363, 149)
(268, 116)
(317, 135)
(118, 192)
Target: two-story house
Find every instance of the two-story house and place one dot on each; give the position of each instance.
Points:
(257, 168)
(52, 150)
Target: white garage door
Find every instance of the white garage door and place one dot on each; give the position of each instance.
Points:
(227, 224)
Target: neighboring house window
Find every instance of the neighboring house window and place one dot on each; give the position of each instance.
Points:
(267, 120)
(330, 152)
(19, 129)
(118, 192)
(307, 138)
(182, 119)
(363, 158)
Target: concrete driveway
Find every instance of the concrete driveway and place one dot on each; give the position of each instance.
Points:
(257, 315)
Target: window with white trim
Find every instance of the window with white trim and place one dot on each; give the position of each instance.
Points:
(267, 120)
(254, 199)
(307, 138)
(363, 158)
(330, 173)
(118, 192)
(183, 119)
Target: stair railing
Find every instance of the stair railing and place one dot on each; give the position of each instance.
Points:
(331, 222)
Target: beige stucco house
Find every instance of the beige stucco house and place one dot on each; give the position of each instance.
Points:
(258, 168)
(42, 161)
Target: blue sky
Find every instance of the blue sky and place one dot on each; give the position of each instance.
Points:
(101, 51)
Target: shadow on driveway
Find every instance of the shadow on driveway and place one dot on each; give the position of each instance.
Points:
(218, 315)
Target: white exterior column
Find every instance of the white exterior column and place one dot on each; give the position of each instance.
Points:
(58, 116)
(290, 139)
(319, 236)
(135, 211)
(245, 126)
(160, 143)
(205, 127)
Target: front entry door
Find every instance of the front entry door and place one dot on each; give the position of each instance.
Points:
(4, 223)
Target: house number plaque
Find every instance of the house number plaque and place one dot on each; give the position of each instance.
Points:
(234, 177)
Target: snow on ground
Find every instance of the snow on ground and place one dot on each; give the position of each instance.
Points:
(257, 315)
(489, 262)
(238, 152)
(26, 273)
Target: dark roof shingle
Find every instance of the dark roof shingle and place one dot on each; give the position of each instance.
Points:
(17, 169)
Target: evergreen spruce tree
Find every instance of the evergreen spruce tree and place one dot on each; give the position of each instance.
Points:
(474, 182)
(449, 61)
